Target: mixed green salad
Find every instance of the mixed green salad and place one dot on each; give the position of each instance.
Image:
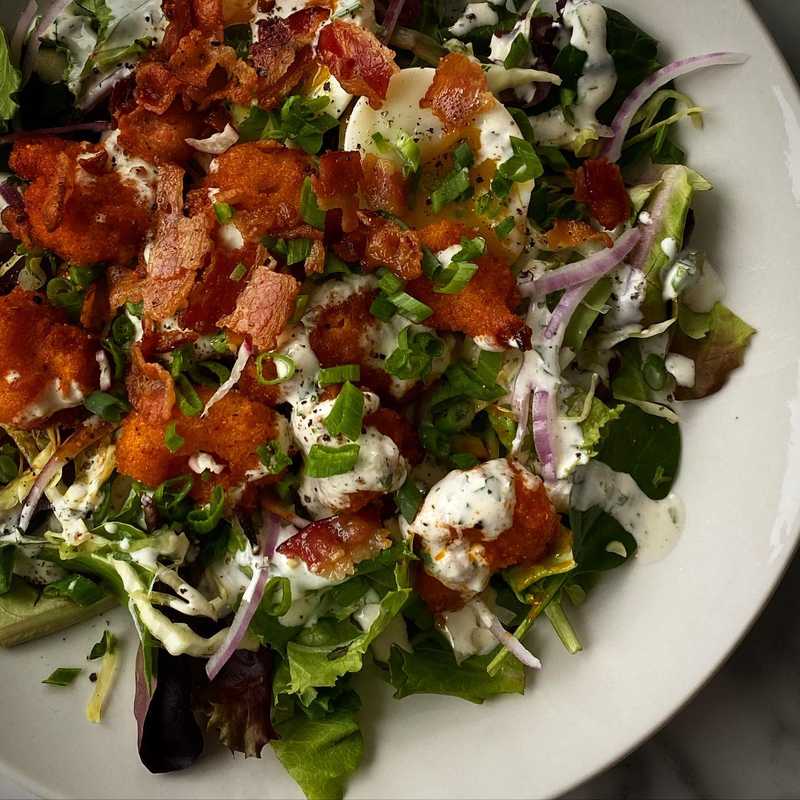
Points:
(338, 335)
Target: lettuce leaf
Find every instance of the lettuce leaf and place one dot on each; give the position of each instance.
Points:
(320, 754)
(10, 80)
(717, 354)
(432, 669)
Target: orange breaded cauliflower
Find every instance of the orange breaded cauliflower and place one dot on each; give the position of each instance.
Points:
(230, 433)
(77, 205)
(46, 364)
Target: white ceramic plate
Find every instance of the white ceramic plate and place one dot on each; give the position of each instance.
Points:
(652, 634)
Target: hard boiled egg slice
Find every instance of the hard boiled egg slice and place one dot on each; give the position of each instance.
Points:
(489, 138)
(359, 12)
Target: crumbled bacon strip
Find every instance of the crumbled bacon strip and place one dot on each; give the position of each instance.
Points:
(459, 92)
(279, 41)
(337, 185)
(151, 389)
(599, 184)
(571, 233)
(389, 245)
(357, 60)
(264, 307)
(383, 187)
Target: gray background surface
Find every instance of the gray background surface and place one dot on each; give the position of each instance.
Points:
(740, 736)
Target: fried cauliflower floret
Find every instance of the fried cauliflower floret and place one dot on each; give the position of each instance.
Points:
(77, 205)
(46, 364)
(231, 431)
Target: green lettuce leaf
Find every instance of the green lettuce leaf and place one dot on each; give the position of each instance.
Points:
(320, 754)
(717, 354)
(10, 80)
(432, 669)
(586, 314)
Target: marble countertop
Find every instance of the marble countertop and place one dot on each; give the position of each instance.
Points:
(740, 736)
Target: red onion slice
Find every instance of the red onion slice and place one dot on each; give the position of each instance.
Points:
(589, 269)
(544, 418)
(217, 143)
(21, 31)
(510, 642)
(49, 16)
(391, 17)
(42, 481)
(612, 149)
(96, 127)
(245, 351)
(566, 307)
(268, 538)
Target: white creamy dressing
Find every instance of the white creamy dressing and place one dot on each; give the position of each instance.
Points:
(134, 171)
(4, 176)
(401, 112)
(482, 497)
(138, 329)
(53, 397)
(587, 21)
(475, 15)
(655, 524)
(629, 287)
(11, 377)
(465, 631)
(681, 368)
(201, 462)
(395, 633)
(297, 347)
(380, 466)
(230, 237)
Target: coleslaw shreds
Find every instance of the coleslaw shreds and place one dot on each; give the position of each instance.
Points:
(334, 334)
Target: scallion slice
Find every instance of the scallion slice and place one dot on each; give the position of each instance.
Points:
(340, 374)
(382, 308)
(450, 189)
(347, 415)
(224, 212)
(63, 676)
(389, 283)
(325, 462)
(106, 406)
(409, 307)
(297, 250)
(273, 458)
(172, 439)
(284, 368)
(310, 211)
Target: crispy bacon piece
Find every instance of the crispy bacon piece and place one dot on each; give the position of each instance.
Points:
(164, 298)
(315, 261)
(124, 286)
(332, 547)
(84, 212)
(262, 181)
(570, 233)
(600, 185)
(215, 292)
(388, 245)
(533, 529)
(459, 92)
(264, 307)
(151, 389)
(383, 187)
(156, 87)
(159, 138)
(95, 311)
(41, 357)
(357, 60)
(394, 425)
(337, 185)
(230, 432)
(250, 387)
(484, 307)
(279, 41)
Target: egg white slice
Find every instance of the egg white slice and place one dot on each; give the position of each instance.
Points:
(401, 111)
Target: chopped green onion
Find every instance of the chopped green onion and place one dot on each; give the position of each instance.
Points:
(340, 374)
(297, 250)
(463, 156)
(106, 406)
(310, 211)
(224, 212)
(135, 309)
(82, 277)
(430, 264)
(470, 248)
(524, 165)
(405, 148)
(389, 283)
(410, 308)
(382, 308)
(335, 266)
(489, 366)
(413, 357)
(325, 462)
(170, 497)
(189, 401)
(62, 294)
(219, 373)
(409, 498)
(461, 379)
(172, 439)
(300, 306)
(457, 416)
(434, 441)
(63, 676)
(450, 189)
(105, 645)
(122, 330)
(77, 588)
(239, 272)
(464, 460)
(219, 342)
(206, 518)
(454, 278)
(284, 368)
(273, 457)
(504, 228)
(347, 415)
(519, 51)
(117, 358)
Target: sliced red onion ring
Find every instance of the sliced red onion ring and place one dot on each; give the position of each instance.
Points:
(511, 643)
(42, 481)
(544, 418)
(589, 269)
(96, 127)
(47, 19)
(563, 312)
(391, 17)
(217, 143)
(245, 351)
(21, 31)
(612, 149)
(251, 598)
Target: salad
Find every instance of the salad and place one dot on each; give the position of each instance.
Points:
(338, 335)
